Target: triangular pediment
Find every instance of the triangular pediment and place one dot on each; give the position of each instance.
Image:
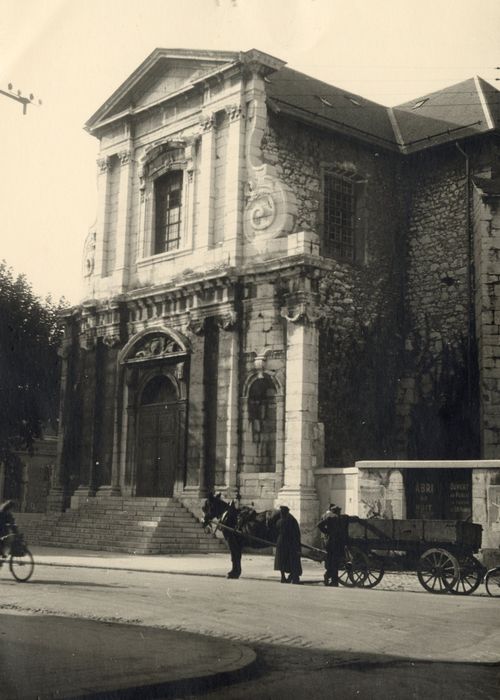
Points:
(163, 73)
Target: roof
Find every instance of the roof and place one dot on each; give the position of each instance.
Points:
(453, 112)
(300, 95)
(468, 108)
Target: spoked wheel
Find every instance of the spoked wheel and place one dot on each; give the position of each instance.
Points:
(357, 566)
(492, 582)
(344, 574)
(470, 576)
(374, 573)
(438, 571)
(22, 566)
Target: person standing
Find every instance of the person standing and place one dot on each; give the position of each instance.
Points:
(287, 558)
(335, 527)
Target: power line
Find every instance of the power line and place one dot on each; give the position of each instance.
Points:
(19, 97)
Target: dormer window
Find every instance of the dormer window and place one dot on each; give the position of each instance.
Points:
(168, 212)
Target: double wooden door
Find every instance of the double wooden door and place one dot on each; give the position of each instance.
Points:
(157, 449)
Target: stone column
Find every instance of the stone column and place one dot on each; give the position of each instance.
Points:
(122, 257)
(301, 418)
(104, 164)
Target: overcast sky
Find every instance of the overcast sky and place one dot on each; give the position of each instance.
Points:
(73, 53)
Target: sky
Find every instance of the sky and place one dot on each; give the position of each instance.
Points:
(72, 54)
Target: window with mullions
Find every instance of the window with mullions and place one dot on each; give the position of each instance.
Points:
(168, 210)
(339, 217)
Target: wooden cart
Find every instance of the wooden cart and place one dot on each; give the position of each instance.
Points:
(440, 551)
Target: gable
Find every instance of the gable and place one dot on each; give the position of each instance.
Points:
(163, 73)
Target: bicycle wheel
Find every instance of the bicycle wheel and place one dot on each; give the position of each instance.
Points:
(22, 567)
(492, 582)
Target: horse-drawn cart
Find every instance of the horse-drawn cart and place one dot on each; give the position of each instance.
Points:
(440, 551)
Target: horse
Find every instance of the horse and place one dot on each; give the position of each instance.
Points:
(252, 527)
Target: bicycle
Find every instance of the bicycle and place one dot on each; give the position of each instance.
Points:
(16, 553)
(492, 582)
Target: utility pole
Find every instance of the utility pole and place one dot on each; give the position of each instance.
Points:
(18, 97)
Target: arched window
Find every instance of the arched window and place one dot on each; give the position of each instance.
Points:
(262, 417)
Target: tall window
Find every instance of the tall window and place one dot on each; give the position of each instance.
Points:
(168, 209)
(339, 217)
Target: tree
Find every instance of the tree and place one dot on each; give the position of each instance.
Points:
(29, 370)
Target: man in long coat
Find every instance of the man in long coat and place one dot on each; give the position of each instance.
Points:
(287, 558)
(335, 527)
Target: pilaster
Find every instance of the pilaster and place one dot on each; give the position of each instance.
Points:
(234, 181)
(206, 183)
(122, 258)
(104, 165)
(301, 413)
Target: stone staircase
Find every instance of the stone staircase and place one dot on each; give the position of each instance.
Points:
(133, 525)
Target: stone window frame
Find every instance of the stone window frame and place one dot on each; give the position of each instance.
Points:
(346, 172)
(176, 156)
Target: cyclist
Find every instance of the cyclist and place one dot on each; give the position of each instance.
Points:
(7, 523)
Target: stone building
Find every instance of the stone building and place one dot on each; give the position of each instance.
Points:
(285, 280)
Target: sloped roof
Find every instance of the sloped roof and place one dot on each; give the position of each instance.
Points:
(453, 112)
(297, 93)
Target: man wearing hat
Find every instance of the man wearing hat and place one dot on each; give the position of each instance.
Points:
(287, 558)
(335, 527)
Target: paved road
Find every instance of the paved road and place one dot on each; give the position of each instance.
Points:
(308, 637)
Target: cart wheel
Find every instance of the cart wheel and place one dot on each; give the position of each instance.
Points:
(22, 567)
(357, 566)
(470, 576)
(492, 582)
(375, 572)
(344, 577)
(438, 570)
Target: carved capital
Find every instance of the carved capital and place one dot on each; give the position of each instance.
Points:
(194, 325)
(302, 312)
(234, 112)
(207, 122)
(227, 321)
(104, 164)
(125, 157)
(112, 338)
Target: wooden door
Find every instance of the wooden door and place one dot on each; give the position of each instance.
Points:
(157, 442)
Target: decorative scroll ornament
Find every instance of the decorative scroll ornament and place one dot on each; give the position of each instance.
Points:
(89, 253)
(155, 347)
(207, 121)
(260, 361)
(271, 206)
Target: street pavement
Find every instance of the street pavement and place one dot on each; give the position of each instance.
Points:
(168, 659)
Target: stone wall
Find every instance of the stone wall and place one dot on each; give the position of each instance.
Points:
(438, 399)
(359, 339)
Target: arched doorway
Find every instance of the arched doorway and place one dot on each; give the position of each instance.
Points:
(157, 438)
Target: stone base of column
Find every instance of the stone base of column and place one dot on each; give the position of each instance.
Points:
(304, 506)
(193, 498)
(109, 491)
(55, 500)
(80, 496)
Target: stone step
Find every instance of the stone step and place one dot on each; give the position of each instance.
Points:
(140, 525)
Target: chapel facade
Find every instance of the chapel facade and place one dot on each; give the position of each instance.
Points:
(285, 280)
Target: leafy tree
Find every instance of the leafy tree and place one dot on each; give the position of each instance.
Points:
(29, 370)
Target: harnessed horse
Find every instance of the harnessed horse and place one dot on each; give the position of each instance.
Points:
(256, 530)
